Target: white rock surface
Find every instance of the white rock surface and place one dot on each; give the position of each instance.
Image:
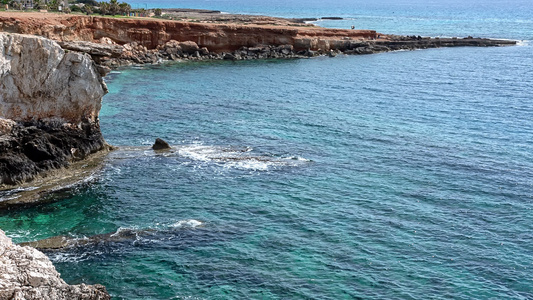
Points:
(40, 81)
(26, 273)
(6, 126)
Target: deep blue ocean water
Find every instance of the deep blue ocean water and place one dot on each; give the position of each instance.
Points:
(404, 175)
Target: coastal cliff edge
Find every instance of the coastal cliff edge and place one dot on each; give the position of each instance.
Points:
(49, 104)
(116, 42)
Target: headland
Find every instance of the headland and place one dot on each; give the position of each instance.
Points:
(115, 42)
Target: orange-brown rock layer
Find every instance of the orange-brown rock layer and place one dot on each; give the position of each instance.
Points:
(152, 32)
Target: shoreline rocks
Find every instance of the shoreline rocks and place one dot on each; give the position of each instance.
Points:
(26, 273)
(135, 53)
(49, 105)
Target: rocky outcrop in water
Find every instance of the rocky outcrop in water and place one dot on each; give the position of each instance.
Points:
(49, 104)
(26, 273)
(160, 145)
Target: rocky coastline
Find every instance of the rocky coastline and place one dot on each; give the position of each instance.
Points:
(51, 88)
(49, 104)
(116, 42)
(134, 53)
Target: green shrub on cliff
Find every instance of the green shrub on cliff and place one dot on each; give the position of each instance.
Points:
(39, 5)
(75, 8)
(113, 7)
(124, 8)
(53, 5)
(88, 2)
(15, 5)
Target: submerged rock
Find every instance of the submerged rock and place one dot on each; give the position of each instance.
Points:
(26, 273)
(121, 235)
(160, 145)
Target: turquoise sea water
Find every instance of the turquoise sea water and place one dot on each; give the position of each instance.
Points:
(405, 175)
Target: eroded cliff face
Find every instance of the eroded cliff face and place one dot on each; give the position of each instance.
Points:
(154, 33)
(219, 37)
(26, 273)
(49, 105)
(115, 42)
(39, 81)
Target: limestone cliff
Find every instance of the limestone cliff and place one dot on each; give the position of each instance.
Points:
(49, 105)
(40, 81)
(26, 273)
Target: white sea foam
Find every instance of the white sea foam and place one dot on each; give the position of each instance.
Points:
(251, 164)
(74, 257)
(122, 230)
(191, 223)
(198, 152)
(18, 190)
(227, 157)
(236, 157)
(19, 234)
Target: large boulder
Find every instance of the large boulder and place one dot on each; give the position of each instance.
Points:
(189, 47)
(26, 273)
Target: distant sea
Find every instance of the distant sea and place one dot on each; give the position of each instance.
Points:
(403, 175)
